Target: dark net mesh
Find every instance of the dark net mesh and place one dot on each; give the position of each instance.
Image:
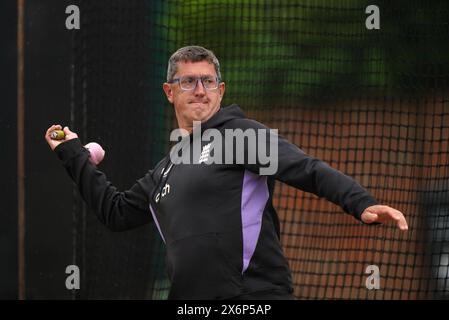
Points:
(372, 103)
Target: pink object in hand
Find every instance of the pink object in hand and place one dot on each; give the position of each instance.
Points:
(96, 152)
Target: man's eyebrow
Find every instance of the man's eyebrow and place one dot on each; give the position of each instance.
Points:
(196, 75)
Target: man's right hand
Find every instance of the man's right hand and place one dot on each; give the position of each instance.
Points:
(54, 143)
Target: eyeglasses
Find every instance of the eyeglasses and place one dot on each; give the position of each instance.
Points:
(189, 83)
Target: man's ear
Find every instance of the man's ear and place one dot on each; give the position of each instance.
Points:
(168, 91)
(222, 88)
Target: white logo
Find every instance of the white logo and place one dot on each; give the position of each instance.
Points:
(165, 191)
(204, 157)
(167, 171)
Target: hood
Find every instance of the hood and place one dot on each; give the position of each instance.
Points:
(223, 115)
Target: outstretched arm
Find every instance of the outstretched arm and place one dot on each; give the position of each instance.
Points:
(310, 174)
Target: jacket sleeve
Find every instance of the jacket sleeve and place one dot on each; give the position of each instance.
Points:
(297, 169)
(117, 210)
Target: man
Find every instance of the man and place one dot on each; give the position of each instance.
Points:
(216, 219)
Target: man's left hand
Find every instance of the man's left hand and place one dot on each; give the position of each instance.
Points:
(382, 214)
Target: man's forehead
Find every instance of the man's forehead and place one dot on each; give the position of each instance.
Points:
(195, 68)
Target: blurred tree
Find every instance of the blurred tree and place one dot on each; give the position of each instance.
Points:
(279, 52)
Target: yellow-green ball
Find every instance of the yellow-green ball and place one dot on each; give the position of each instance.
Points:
(57, 135)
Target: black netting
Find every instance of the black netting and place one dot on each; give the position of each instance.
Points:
(372, 103)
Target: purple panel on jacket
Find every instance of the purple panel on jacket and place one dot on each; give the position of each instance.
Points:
(157, 223)
(254, 198)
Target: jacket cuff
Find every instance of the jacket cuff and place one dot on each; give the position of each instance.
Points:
(69, 149)
(365, 203)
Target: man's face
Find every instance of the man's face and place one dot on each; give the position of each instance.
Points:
(199, 104)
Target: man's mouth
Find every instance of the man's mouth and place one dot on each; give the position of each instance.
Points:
(202, 102)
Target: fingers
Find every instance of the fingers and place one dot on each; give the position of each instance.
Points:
(400, 219)
(396, 215)
(52, 143)
(380, 213)
(52, 128)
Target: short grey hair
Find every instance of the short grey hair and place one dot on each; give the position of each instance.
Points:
(191, 54)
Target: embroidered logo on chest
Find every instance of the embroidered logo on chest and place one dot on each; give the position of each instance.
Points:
(204, 157)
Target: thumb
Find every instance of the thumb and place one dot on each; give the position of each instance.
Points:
(67, 130)
(369, 217)
(69, 134)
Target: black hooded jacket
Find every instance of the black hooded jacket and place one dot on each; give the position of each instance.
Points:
(217, 220)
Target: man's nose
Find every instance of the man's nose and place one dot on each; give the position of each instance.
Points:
(199, 89)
